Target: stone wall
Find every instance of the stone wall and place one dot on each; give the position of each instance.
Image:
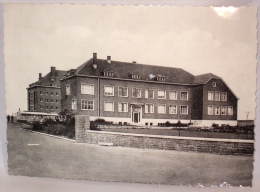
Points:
(82, 124)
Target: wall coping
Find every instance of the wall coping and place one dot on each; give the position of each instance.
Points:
(175, 137)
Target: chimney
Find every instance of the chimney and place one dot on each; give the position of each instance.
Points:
(53, 70)
(134, 61)
(109, 59)
(40, 76)
(95, 60)
(72, 71)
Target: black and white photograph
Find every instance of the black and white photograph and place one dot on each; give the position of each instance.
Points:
(162, 95)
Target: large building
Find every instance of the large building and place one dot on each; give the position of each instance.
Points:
(146, 95)
(44, 95)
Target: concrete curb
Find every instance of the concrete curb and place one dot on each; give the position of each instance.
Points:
(46, 134)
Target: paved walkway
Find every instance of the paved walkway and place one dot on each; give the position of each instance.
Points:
(32, 154)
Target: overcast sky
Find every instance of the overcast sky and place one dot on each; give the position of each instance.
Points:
(198, 39)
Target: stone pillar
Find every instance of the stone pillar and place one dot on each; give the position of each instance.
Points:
(82, 123)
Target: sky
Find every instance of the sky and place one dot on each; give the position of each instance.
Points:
(222, 41)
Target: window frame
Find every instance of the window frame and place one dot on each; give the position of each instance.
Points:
(74, 108)
(120, 111)
(81, 89)
(146, 111)
(147, 90)
(105, 106)
(122, 91)
(212, 99)
(187, 95)
(212, 110)
(164, 109)
(214, 84)
(222, 107)
(222, 93)
(218, 96)
(232, 110)
(215, 107)
(175, 95)
(181, 109)
(87, 104)
(164, 94)
(67, 89)
(170, 109)
(138, 89)
(113, 90)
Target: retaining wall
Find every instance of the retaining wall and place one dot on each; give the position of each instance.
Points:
(191, 144)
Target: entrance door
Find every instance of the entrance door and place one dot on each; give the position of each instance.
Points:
(136, 117)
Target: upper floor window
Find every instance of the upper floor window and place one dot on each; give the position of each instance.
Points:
(162, 109)
(108, 90)
(184, 95)
(57, 101)
(123, 91)
(57, 94)
(46, 107)
(52, 108)
(210, 95)
(46, 93)
(68, 89)
(149, 108)
(210, 110)
(173, 109)
(74, 104)
(41, 107)
(217, 96)
(108, 74)
(160, 78)
(136, 76)
(52, 93)
(46, 100)
(108, 106)
(161, 94)
(223, 96)
(214, 84)
(230, 110)
(217, 110)
(149, 93)
(41, 92)
(184, 110)
(87, 89)
(136, 92)
(87, 105)
(122, 107)
(41, 100)
(51, 100)
(173, 95)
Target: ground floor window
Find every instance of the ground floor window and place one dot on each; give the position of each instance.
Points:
(74, 104)
(223, 110)
(108, 106)
(162, 109)
(217, 110)
(210, 110)
(122, 107)
(230, 110)
(87, 105)
(184, 110)
(173, 109)
(149, 108)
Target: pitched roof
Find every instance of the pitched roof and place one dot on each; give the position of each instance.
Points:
(50, 80)
(124, 70)
(204, 78)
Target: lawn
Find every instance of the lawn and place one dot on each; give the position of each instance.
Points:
(185, 133)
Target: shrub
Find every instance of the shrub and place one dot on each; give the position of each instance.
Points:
(37, 126)
(49, 121)
(167, 124)
(94, 126)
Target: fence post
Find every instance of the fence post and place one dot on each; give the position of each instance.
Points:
(82, 123)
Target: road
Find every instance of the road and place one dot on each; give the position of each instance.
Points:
(32, 154)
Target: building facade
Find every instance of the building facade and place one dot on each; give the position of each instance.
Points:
(45, 94)
(147, 95)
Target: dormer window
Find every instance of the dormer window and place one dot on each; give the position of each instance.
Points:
(135, 76)
(160, 78)
(108, 74)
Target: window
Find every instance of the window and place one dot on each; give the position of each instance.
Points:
(57, 101)
(217, 96)
(217, 110)
(57, 108)
(210, 95)
(162, 109)
(223, 96)
(41, 107)
(57, 94)
(46, 100)
(31, 107)
(173, 95)
(223, 110)
(52, 108)
(109, 90)
(41, 92)
(87, 89)
(109, 106)
(214, 84)
(161, 94)
(67, 89)
(46, 107)
(108, 74)
(123, 91)
(136, 92)
(149, 108)
(46, 93)
(122, 107)
(230, 110)
(41, 100)
(160, 78)
(87, 105)
(210, 110)
(136, 76)
(173, 109)
(149, 93)
(74, 104)
(184, 110)
(52, 93)
(184, 95)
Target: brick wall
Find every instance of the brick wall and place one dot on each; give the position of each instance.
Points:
(190, 144)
